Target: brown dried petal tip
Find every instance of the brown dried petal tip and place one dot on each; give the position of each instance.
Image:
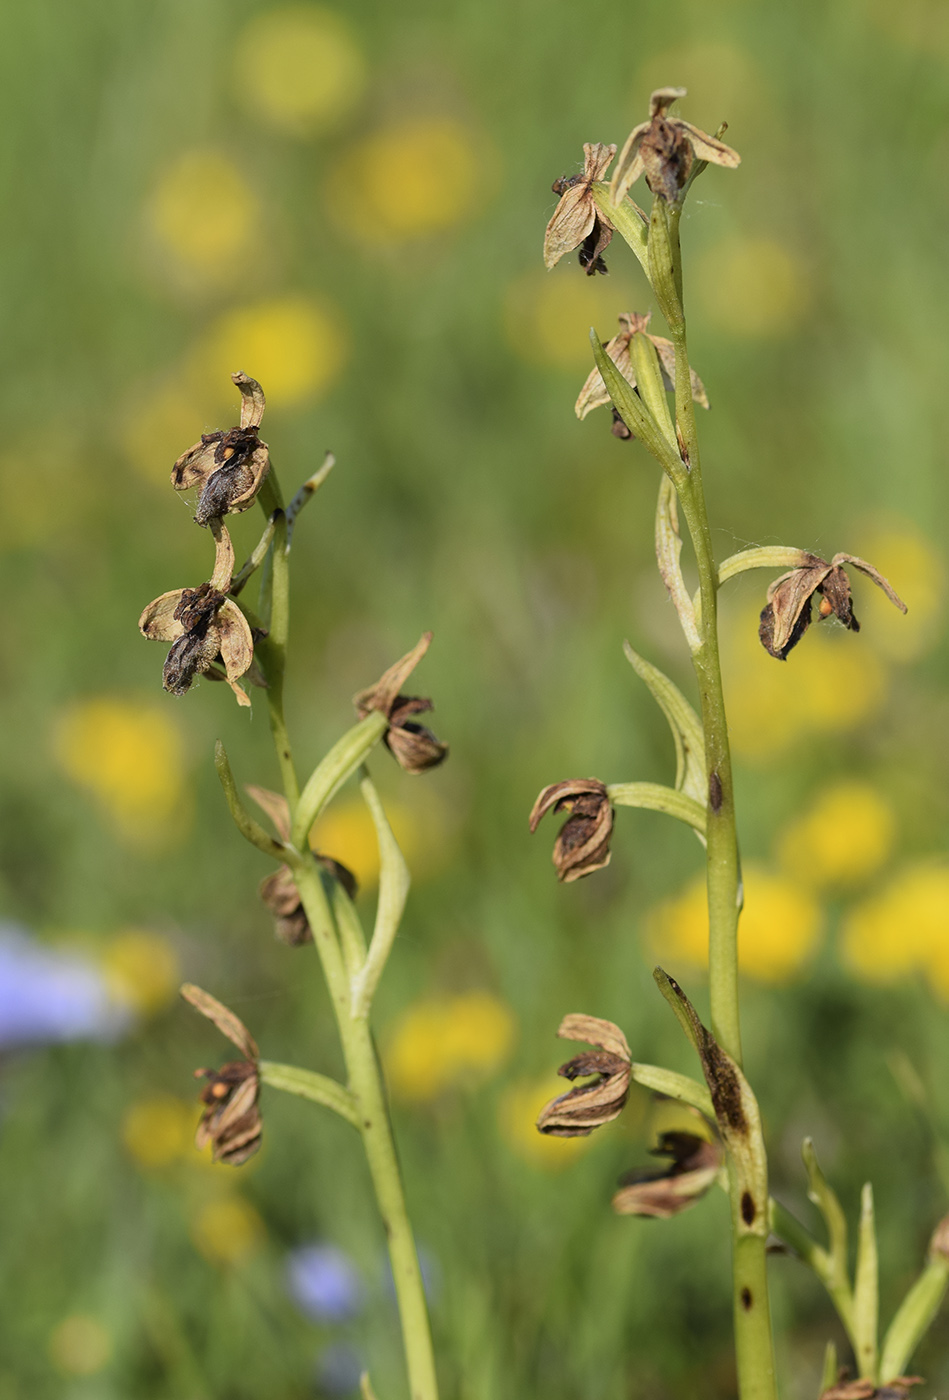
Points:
(577, 223)
(588, 1106)
(413, 745)
(694, 1165)
(228, 466)
(787, 614)
(584, 841)
(231, 1120)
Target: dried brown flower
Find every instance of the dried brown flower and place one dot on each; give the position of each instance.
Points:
(577, 223)
(413, 745)
(694, 1165)
(204, 626)
(231, 1118)
(664, 149)
(787, 614)
(895, 1389)
(279, 891)
(228, 466)
(588, 1106)
(594, 393)
(584, 841)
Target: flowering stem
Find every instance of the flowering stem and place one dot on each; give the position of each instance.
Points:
(275, 646)
(753, 1339)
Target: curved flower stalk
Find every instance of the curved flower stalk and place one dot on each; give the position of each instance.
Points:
(310, 895)
(652, 389)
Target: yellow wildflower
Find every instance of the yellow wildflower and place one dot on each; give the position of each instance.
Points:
(547, 319)
(407, 181)
(753, 287)
(159, 1130)
(846, 833)
(520, 1105)
(204, 213)
(227, 1230)
(294, 345)
(142, 970)
(777, 933)
(79, 1345)
(423, 828)
(299, 67)
(438, 1043)
(902, 928)
(131, 757)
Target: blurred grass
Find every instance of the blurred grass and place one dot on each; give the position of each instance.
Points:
(441, 364)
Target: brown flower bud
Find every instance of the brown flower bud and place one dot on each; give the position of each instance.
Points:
(228, 466)
(584, 841)
(281, 896)
(664, 149)
(694, 1165)
(577, 223)
(787, 614)
(204, 627)
(588, 1106)
(413, 745)
(231, 1119)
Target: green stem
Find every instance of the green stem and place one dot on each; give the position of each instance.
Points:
(307, 1084)
(274, 648)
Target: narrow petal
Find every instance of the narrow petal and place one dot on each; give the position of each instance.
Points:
(873, 573)
(596, 159)
(709, 147)
(629, 167)
(276, 807)
(662, 99)
(225, 1020)
(591, 1030)
(253, 402)
(572, 221)
(223, 557)
(158, 622)
(382, 695)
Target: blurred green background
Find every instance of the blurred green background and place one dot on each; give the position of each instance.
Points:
(348, 203)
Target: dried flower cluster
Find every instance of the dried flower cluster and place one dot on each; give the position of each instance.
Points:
(787, 613)
(231, 1118)
(412, 745)
(594, 393)
(279, 891)
(584, 841)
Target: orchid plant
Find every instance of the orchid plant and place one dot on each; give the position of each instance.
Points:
(652, 390)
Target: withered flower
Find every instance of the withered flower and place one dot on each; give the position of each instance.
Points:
(231, 1118)
(413, 745)
(577, 223)
(204, 627)
(896, 1389)
(584, 841)
(594, 393)
(694, 1165)
(279, 891)
(588, 1106)
(787, 614)
(228, 466)
(664, 148)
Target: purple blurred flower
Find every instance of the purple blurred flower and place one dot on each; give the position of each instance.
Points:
(339, 1369)
(47, 995)
(323, 1282)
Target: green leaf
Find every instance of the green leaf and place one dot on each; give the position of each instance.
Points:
(307, 1084)
(346, 755)
(914, 1316)
(866, 1286)
(674, 1086)
(394, 881)
(683, 721)
(825, 1199)
(829, 1373)
(634, 413)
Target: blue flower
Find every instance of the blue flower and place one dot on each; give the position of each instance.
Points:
(47, 995)
(323, 1282)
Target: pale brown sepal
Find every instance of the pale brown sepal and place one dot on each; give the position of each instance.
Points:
(588, 1106)
(583, 844)
(253, 402)
(787, 614)
(382, 695)
(695, 1164)
(276, 807)
(225, 1020)
(576, 222)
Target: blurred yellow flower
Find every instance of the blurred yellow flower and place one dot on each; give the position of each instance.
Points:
(441, 1042)
(423, 829)
(227, 1230)
(204, 213)
(918, 571)
(846, 833)
(293, 345)
(79, 1345)
(142, 970)
(158, 424)
(753, 287)
(547, 317)
(159, 1130)
(902, 928)
(520, 1104)
(130, 756)
(832, 683)
(777, 933)
(299, 67)
(407, 181)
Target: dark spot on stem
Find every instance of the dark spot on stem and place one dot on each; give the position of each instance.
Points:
(746, 1299)
(715, 792)
(748, 1210)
